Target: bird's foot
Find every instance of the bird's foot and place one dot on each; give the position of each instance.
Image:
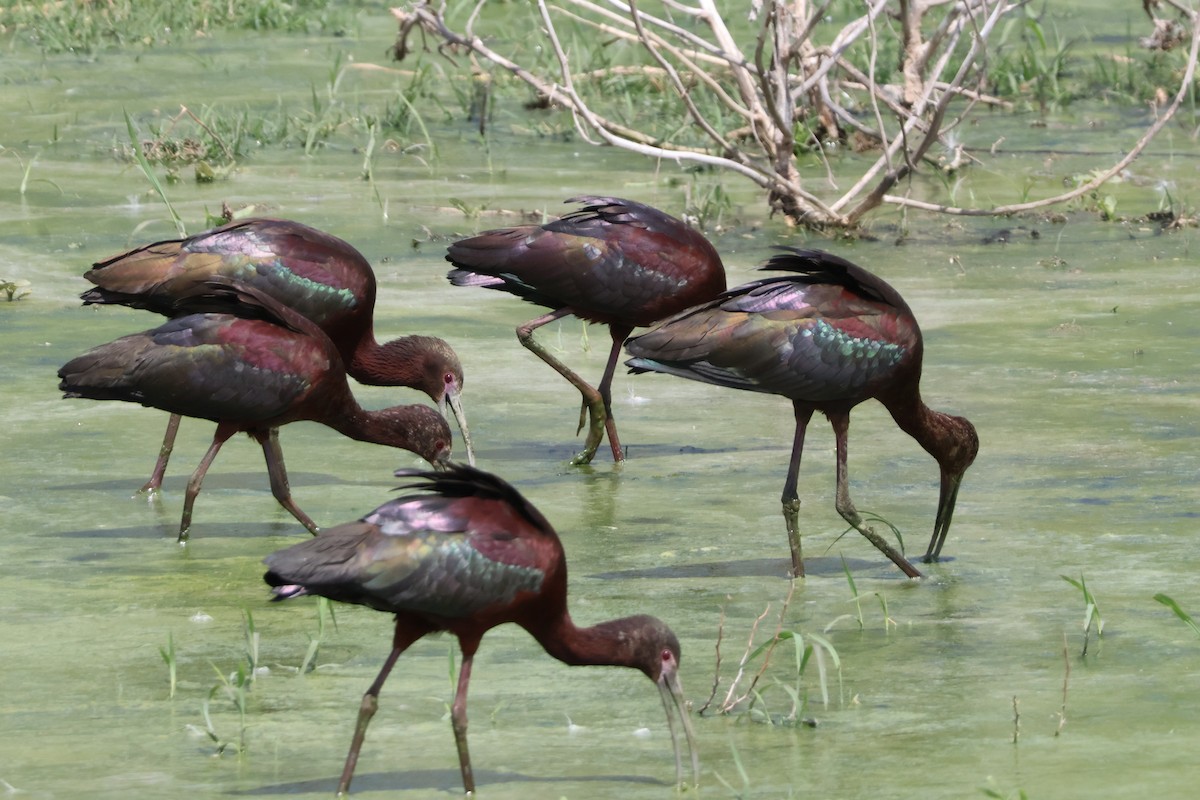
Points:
(151, 493)
(593, 410)
(584, 457)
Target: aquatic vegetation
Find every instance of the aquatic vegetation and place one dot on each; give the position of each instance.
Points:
(995, 792)
(144, 163)
(87, 28)
(324, 608)
(234, 687)
(15, 289)
(1179, 612)
(856, 598)
(1033, 69)
(1091, 612)
(759, 100)
(743, 696)
(168, 657)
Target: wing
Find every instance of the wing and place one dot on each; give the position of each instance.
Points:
(319, 275)
(444, 557)
(820, 267)
(612, 261)
(816, 342)
(211, 366)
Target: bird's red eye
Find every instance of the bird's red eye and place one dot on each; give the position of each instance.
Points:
(667, 656)
(448, 379)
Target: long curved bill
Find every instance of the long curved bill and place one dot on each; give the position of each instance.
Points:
(455, 402)
(945, 512)
(675, 705)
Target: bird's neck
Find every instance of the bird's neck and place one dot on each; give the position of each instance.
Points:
(396, 363)
(939, 434)
(606, 644)
(348, 418)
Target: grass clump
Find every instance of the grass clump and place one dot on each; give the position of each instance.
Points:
(743, 695)
(14, 290)
(83, 28)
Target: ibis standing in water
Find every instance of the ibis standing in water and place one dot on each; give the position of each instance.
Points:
(613, 261)
(319, 275)
(827, 336)
(466, 555)
(248, 375)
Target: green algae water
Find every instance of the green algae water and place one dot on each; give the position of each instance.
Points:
(1070, 345)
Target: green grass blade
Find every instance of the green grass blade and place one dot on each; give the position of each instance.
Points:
(148, 171)
(1179, 612)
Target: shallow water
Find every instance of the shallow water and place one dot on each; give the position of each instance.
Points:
(1080, 377)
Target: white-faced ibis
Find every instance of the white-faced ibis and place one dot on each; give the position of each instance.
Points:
(318, 275)
(827, 338)
(467, 555)
(250, 375)
(614, 261)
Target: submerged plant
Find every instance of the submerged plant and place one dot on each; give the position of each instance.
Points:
(235, 687)
(324, 606)
(1179, 612)
(1091, 612)
(148, 171)
(991, 790)
(168, 657)
(14, 290)
(252, 642)
(742, 774)
(743, 695)
(856, 598)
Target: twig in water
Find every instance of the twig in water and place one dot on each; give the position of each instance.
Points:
(1062, 712)
(1016, 720)
(717, 666)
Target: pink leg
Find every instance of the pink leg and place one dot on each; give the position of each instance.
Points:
(791, 498)
(279, 480)
(619, 334)
(458, 719)
(370, 704)
(845, 507)
(153, 485)
(193, 488)
(592, 400)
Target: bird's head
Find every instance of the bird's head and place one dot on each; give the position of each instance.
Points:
(963, 446)
(420, 429)
(441, 377)
(657, 655)
(958, 451)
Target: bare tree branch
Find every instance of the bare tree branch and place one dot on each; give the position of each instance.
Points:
(789, 95)
(1096, 182)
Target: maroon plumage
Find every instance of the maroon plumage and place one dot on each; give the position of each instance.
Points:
(615, 262)
(318, 275)
(249, 375)
(465, 556)
(827, 337)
